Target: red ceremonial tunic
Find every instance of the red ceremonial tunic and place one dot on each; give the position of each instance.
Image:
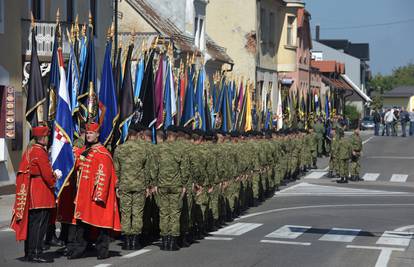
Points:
(96, 202)
(34, 188)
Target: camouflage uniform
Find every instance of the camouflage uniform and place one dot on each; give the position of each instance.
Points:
(355, 165)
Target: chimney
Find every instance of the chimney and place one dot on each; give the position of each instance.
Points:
(318, 30)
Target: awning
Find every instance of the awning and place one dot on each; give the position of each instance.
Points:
(356, 88)
(336, 83)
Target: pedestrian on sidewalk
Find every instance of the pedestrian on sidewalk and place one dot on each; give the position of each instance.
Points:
(389, 117)
(404, 119)
(35, 199)
(411, 114)
(377, 121)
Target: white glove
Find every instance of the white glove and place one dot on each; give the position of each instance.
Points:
(57, 173)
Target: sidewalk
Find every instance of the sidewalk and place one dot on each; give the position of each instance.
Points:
(6, 205)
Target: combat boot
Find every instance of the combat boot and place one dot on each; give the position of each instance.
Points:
(330, 174)
(127, 243)
(172, 244)
(345, 180)
(359, 178)
(182, 241)
(39, 258)
(135, 242)
(164, 242)
(340, 181)
(51, 239)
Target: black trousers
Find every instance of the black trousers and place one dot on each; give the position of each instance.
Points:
(78, 240)
(36, 231)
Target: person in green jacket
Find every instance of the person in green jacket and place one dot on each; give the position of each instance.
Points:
(344, 155)
(355, 165)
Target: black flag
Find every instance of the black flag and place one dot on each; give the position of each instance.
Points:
(146, 95)
(36, 95)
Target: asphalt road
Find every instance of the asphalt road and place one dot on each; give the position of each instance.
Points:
(312, 222)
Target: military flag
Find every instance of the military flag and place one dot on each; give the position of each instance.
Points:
(54, 76)
(188, 110)
(248, 115)
(139, 75)
(107, 99)
(200, 116)
(73, 85)
(159, 94)
(61, 151)
(169, 98)
(146, 95)
(36, 95)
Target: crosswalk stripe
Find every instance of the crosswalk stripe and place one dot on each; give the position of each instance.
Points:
(289, 231)
(285, 242)
(370, 176)
(395, 238)
(218, 238)
(315, 175)
(135, 253)
(237, 229)
(399, 178)
(340, 235)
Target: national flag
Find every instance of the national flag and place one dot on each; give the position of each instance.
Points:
(107, 99)
(170, 98)
(53, 79)
(146, 95)
(36, 95)
(139, 75)
(126, 107)
(61, 151)
(159, 93)
(83, 48)
(88, 79)
(117, 74)
(73, 85)
(249, 119)
(199, 110)
(188, 110)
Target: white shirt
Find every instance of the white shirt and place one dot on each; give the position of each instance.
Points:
(389, 116)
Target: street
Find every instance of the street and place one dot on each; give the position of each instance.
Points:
(312, 222)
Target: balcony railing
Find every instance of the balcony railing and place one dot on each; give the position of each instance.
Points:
(45, 32)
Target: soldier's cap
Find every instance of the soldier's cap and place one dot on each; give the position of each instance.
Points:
(210, 135)
(139, 127)
(235, 134)
(172, 128)
(184, 130)
(221, 132)
(198, 132)
(40, 131)
(92, 127)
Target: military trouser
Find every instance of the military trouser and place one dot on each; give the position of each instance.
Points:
(132, 210)
(200, 209)
(320, 145)
(355, 166)
(256, 181)
(343, 167)
(234, 190)
(314, 157)
(170, 203)
(332, 164)
(214, 201)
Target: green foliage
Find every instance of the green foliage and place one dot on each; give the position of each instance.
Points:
(377, 102)
(351, 112)
(400, 76)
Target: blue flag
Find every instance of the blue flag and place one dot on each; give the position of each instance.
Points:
(139, 76)
(107, 99)
(73, 85)
(199, 110)
(170, 107)
(188, 111)
(62, 155)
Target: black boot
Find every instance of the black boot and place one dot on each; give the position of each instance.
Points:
(330, 174)
(136, 242)
(340, 181)
(164, 242)
(39, 258)
(51, 239)
(359, 178)
(172, 244)
(127, 243)
(345, 180)
(182, 241)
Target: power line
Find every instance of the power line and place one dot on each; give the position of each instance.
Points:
(369, 25)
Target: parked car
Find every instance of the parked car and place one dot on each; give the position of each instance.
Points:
(367, 123)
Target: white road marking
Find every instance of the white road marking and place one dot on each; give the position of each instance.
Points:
(366, 141)
(315, 175)
(404, 228)
(218, 238)
(288, 188)
(394, 238)
(135, 253)
(384, 256)
(370, 176)
(237, 229)
(399, 178)
(309, 189)
(103, 265)
(324, 207)
(289, 231)
(285, 242)
(390, 157)
(7, 229)
(340, 235)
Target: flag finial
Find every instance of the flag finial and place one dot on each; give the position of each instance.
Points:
(57, 16)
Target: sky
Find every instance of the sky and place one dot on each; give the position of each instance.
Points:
(391, 45)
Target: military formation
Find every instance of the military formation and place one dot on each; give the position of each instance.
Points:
(193, 182)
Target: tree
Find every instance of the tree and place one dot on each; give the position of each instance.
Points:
(377, 102)
(400, 76)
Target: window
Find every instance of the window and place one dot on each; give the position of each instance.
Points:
(272, 28)
(93, 8)
(263, 27)
(1, 16)
(290, 31)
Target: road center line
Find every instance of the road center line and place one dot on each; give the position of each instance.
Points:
(103, 265)
(285, 242)
(366, 141)
(384, 256)
(218, 238)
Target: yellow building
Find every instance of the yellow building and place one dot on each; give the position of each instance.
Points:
(15, 55)
(401, 96)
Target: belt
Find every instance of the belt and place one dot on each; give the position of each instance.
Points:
(37, 176)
